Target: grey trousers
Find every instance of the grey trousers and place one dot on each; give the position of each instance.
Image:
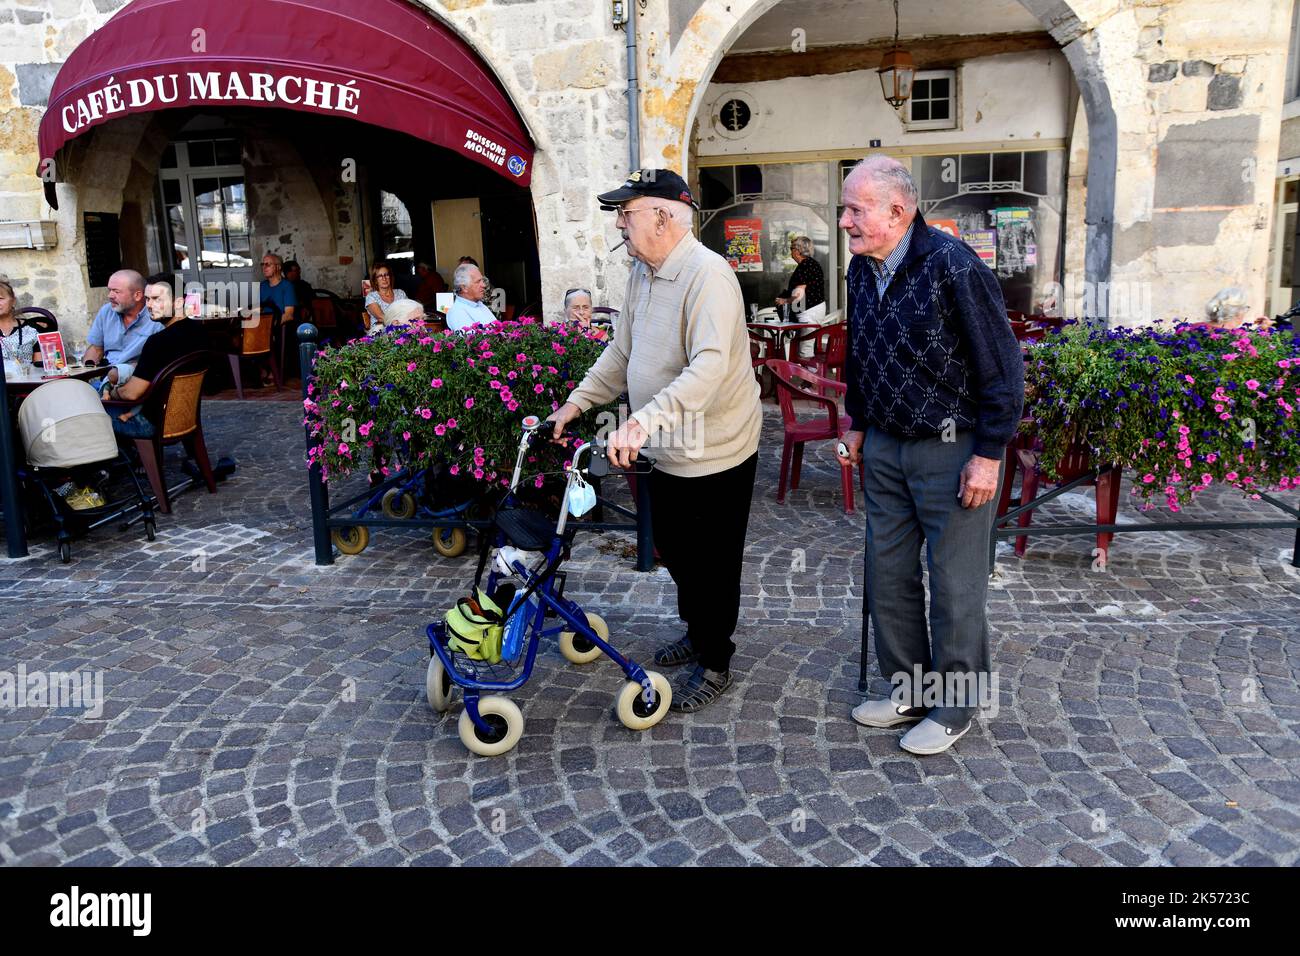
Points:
(911, 492)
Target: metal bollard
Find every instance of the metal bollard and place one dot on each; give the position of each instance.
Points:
(645, 542)
(15, 530)
(320, 500)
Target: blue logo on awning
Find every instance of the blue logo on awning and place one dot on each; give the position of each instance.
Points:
(517, 165)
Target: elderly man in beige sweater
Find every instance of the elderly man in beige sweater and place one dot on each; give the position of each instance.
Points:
(681, 352)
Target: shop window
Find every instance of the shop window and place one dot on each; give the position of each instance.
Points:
(1007, 207)
(750, 213)
(933, 104)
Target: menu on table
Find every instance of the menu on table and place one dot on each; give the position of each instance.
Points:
(53, 356)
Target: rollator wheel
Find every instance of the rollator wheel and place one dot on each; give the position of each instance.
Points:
(65, 552)
(150, 529)
(578, 649)
(506, 721)
(450, 542)
(398, 504)
(631, 705)
(438, 685)
(352, 539)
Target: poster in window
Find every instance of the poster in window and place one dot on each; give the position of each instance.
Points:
(744, 244)
(947, 225)
(1017, 244)
(985, 244)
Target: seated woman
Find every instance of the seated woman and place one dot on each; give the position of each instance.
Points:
(15, 338)
(403, 312)
(577, 310)
(382, 295)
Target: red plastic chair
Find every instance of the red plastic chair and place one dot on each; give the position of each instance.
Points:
(797, 433)
(830, 350)
(1027, 457)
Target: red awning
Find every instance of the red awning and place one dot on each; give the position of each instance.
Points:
(381, 62)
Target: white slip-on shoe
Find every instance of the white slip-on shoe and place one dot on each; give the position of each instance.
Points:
(931, 737)
(885, 713)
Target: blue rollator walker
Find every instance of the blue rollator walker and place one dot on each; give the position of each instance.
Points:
(525, 583)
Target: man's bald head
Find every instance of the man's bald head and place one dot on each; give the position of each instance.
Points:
(879, 200)
(132, 279)
(126, 292)
(891, 180)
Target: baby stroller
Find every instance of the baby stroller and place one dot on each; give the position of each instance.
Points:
(64, 427)
(479, 644)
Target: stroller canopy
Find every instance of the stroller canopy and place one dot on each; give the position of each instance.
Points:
(63, 424)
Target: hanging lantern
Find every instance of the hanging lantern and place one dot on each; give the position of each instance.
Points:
(896, 71)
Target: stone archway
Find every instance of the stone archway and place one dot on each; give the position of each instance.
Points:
(671, 111)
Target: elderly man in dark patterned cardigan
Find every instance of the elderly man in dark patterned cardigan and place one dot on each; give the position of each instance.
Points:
(935, 391)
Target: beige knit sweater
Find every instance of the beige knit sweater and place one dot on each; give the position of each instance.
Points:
(681, 352)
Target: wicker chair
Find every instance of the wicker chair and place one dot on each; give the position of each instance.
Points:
(254, 340)
(173, 399)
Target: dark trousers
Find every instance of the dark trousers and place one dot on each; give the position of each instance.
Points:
(699, 527)
(911, 491)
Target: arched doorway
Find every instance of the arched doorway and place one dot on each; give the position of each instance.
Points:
(809, 46)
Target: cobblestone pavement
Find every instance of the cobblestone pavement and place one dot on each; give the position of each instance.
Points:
(262, 710)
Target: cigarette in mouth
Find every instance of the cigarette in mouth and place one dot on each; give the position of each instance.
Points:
(619, 246)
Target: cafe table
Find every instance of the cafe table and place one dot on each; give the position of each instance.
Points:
(780, 334)
(22, 386)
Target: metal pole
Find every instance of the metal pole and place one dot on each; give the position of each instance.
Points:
(320, 500)
(633, 93)
(1295, 550)
(645, 542)
(866, 625)
(15, 531)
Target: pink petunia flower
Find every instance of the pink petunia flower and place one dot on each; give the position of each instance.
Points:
(426, 414)
(469, 402)
(451, 423)
(1252, 384)
(436, 383)
(410, 366)
(440, 430)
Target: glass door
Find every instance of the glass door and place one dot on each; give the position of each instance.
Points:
(205, 227)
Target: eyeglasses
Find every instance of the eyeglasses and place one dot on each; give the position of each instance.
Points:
(622, 213)
(586, 292)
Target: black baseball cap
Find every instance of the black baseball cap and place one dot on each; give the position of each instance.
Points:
(661, 183)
